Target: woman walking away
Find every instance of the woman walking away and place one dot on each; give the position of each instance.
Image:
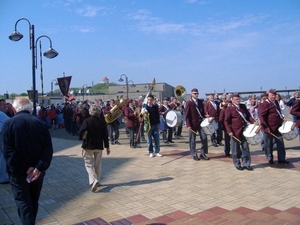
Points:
(94, 136)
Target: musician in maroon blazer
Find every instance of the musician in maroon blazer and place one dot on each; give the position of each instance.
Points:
(194, 114)
(271, 119)
(236, 119)
(132, 123)
(212, 110)
(295, 111)
(224, 105)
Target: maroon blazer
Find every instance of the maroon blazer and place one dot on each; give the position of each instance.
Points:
(222, 118)
(296, 111)
(234, 122)
(162, 109)
(269, 116)
(210, 110)
(173, 106)
(192, 117)
(132, 120)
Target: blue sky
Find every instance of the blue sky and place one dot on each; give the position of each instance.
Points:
(236, 45)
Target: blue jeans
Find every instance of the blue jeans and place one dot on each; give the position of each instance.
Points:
(155, 134)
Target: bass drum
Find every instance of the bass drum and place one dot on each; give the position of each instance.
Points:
(253, 134)
(288, 130)
(209, 127)
(173, 118)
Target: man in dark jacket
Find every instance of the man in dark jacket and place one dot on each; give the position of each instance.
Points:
(27, 149)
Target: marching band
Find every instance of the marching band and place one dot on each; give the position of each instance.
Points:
(227, 121)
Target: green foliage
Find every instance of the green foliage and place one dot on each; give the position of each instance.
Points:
(101, 88)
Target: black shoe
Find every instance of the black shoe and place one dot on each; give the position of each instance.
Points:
(271, 161)
(196, 158)
(138, 146)
(285, 162)
(117, 142)
(221, 144)
(166, 142)
(171, 141)
(248, 168)
(228, 155)
(132, 146)
(239, 168)
(203, 156)
(215, 144)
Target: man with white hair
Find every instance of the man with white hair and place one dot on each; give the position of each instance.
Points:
(27, 149)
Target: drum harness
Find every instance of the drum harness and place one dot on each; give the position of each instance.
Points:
(197, 109)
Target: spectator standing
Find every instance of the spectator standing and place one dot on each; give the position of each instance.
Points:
(27, 149)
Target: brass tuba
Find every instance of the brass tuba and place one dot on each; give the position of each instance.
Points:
(115, 112)
(180, 92)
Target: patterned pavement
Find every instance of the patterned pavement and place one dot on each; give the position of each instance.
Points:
(173, 189)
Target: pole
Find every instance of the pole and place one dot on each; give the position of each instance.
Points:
(127, 88)
(33, 68)
(42, 78)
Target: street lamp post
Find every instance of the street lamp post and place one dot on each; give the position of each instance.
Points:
(127, 84)
(85, 86)
(54, 80)
(50, 53)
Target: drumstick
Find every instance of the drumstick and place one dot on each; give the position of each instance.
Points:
(252, 129)
(236, 139)
(193, 131)
(274, 135)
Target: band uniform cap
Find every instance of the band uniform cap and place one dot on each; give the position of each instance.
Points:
(194, 90)
(166, 98)
(235, 95)
(272, 91)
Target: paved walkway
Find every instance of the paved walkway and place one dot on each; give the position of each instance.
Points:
(173, 189)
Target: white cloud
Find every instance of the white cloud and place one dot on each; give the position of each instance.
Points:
(84, 29)
(89, 11)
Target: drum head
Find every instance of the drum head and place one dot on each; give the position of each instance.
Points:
(171, 118)
(205, 122)
(249, 131)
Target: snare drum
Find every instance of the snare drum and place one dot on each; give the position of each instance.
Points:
(288, 130)
(173, 118)
(209, 128)
(252, 135)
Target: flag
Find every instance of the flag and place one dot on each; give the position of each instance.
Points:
(64, 84)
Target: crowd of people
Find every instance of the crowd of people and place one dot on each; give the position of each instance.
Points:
(146, 120)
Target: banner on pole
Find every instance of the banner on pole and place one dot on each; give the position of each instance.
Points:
(64, 84)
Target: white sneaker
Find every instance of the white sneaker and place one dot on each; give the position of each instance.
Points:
(151, 155)
(158, 154)
(95, 186)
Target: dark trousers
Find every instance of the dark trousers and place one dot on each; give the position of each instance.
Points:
(240, 151)
(269, 146)
(113, 131)
(227, 143)
(203, 142)
(26, 196)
